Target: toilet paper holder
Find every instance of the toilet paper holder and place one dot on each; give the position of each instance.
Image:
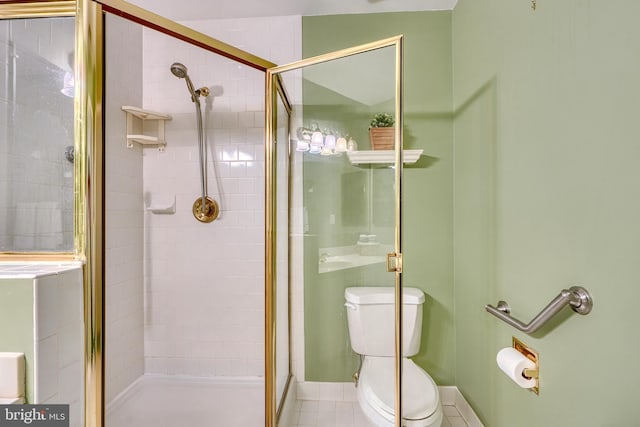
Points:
(532, 355)
(576, 296)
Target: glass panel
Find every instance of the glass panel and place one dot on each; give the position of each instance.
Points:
(36, 136)
(184, 300)
(282, 252)
(343, 220)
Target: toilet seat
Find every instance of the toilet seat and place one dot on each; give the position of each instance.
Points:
(420, 398)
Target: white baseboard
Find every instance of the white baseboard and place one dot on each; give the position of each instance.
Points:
(450, 395)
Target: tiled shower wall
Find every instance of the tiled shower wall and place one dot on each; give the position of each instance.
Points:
(204, 283)
(124, 215)
(36, 125)
(58, 341)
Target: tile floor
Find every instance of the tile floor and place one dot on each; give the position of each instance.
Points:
(156, 401)
(314, 413)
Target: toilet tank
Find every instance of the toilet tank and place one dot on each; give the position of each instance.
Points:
(371, 314)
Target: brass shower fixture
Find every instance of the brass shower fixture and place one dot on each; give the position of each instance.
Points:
(205, 209)
(210, 211)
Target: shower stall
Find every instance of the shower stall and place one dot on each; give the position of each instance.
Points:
(208, 309)
(197, 347)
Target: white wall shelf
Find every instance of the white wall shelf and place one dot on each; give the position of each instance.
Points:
(164, 206)
(135, 119)
(382, 156)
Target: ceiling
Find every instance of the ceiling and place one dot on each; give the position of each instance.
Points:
(207, 9)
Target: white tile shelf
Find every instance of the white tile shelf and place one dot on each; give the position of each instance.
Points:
(382, 156)
(135, 117)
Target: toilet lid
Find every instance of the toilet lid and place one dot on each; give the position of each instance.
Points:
(419, 392)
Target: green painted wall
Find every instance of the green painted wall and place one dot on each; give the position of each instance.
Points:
(16, 334)
(546, 180)
(428, 201)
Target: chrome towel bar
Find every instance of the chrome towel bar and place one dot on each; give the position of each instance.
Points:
(576, 296)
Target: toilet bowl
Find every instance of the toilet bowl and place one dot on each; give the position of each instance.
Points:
(370, 316)
(376, 394)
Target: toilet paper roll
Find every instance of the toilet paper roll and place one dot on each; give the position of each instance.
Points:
(512, 363)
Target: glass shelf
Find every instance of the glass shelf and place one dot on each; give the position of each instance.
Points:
(382, 156)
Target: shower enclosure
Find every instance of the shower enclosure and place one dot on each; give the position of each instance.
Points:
(343, 211)
(181, 314)
(184, 302)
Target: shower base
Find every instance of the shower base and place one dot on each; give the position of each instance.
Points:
(174, 401)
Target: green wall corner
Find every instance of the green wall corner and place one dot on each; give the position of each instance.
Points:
(546, 197)
(428, 201)
(17, 329)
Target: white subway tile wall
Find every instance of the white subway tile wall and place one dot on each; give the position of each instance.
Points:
(124, 214)
(204, 283)
(58, 341)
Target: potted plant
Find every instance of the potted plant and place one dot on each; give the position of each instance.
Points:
(382, 132)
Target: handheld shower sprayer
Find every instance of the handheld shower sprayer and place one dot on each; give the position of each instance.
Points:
(180, 71)
(205, 209)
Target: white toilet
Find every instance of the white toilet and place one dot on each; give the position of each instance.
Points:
(370, 314)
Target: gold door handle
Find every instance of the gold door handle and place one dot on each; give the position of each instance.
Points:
(394, 262)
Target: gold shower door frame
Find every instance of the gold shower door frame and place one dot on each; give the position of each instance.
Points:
(274, 89)
(50, 9)
(89, 70)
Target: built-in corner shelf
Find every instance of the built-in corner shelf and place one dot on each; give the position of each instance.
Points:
(135, 118)
(382, 156)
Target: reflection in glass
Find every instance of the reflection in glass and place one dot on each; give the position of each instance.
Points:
(36, 114)
(282, 253)
(342, 214)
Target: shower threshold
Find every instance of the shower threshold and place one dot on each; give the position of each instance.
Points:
(177, 401)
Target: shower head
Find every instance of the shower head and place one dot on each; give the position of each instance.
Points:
(180, 71)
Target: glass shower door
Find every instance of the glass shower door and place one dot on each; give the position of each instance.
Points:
(344, 213)
(283, 321)
(183, 299)
(36, 135)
